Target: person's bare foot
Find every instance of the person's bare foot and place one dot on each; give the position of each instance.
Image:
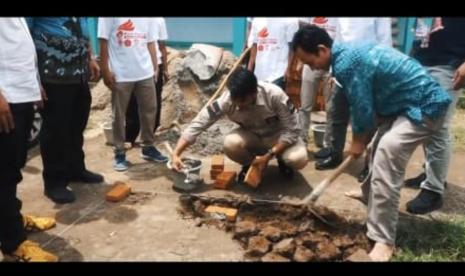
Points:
(358, 195)
(381, 252)
(354, 194)
(128, 145)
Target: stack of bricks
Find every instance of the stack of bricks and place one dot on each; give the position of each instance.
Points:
(222, 178)
(217, 166)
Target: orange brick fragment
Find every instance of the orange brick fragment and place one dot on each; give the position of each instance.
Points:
(214, 173)
(224, 179)
(230, 213)
(253, 176)
(217, 162)
(119, 191)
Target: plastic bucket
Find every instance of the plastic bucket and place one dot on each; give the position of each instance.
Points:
(108, 131)
(179, 178)
(319, 131)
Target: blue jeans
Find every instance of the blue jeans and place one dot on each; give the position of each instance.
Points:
(438, 148)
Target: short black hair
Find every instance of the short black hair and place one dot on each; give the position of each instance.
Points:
(308, 38)
(242, 83)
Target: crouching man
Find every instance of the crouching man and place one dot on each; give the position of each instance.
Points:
(268, 126)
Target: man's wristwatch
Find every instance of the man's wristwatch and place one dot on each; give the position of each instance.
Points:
(272, 153)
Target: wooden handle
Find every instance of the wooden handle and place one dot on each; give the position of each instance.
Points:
(316, 193)
(168, 147)
(223, 84)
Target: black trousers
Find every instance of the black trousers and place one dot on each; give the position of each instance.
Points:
(132, 113)
(65, 117)
(13, 153)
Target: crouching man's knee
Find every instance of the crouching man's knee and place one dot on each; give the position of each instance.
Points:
(235, 148)
(296, 157)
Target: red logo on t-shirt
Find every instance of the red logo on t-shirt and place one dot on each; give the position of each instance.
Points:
(320, 20)
(263, 33)
(126, 26)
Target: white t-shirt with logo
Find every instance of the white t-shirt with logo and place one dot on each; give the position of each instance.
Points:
(272, 36)
(19, 81)
(329, 24)
(127, 45)
(162, 35)
(376, 29)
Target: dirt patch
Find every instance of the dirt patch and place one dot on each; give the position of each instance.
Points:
(273, 232)
(138, 198)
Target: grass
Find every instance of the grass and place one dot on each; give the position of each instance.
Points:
(431, 240)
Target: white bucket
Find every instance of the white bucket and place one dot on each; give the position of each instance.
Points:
(108, 131)
(319, 131)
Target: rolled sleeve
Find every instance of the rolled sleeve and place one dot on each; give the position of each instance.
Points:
(205, 119)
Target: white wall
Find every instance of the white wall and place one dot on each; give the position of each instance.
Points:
(200, 29)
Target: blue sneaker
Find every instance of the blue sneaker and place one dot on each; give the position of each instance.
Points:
(120, 163)
(151, 153)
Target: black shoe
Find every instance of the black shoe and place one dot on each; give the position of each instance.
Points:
(363, 174)
(60, 195)
(426, 202)
(415, 182)
(88, 177)
(285, 170)
(328, 163)
(242, 174)
(323, 153)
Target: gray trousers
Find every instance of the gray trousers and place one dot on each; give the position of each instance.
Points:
(338, 119)
(144, 92)
(310, 82)
(438, 148)
(392, 147)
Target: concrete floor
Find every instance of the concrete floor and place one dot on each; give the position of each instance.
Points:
(147, 227)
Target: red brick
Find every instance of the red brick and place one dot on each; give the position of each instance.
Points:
(224, 179)
(119, 191)
(253, 176)
(230, 213)
(217, 162)
(214, 173)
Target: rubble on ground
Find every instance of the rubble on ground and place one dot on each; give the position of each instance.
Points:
(281, 233)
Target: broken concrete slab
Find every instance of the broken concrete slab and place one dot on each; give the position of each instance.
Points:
(271, 233)
(303, 254)
(203, 60)
(285, 247)
(258, 246)
(244, 228)
(274, 257)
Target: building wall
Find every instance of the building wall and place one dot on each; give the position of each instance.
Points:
(183, 31)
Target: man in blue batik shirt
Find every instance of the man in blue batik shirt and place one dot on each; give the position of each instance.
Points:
(66, 65)
(385, 89)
